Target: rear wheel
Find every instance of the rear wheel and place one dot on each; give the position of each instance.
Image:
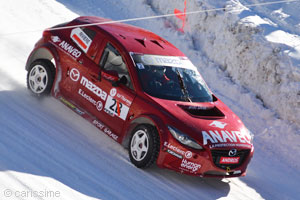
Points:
(40, 77)
(144, 146)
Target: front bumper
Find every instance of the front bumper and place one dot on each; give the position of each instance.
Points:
(203, 163)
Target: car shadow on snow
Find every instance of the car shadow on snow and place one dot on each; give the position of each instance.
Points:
(43, 139)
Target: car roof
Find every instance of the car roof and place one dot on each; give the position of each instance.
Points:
(134, 39)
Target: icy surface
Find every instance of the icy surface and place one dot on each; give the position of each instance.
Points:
(243, 57)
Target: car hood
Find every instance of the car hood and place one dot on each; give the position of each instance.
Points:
(212, 124)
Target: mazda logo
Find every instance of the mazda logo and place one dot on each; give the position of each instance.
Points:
(232, 152)
(74, 74)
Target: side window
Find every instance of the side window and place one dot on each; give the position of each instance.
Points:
(89, 32)
(111, 59)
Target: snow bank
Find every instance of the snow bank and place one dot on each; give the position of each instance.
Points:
(249, 48)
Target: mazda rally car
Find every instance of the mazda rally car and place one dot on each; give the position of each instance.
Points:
(144, 93)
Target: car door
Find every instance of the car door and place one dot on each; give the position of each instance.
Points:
(78, 84)
(116, 108)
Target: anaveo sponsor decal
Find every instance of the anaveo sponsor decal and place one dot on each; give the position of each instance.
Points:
(226, 138)
(66, 47)
(75, 76)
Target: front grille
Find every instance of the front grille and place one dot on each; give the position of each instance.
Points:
(217, 154)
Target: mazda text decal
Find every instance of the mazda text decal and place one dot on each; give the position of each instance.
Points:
(93, 88)
(75, 76)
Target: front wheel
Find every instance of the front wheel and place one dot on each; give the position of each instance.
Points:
(40, 77)
(144, 146)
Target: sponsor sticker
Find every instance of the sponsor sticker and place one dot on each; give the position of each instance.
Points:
(66, 47)
(225, 137)
(93, 88)
(218, 124)
(81, 39)
(188, 154)
(174, 154)
(74, 74)
(70, 105)
(97, 104)
(171, 61)
(55, 39)
(113, 92)
(229, 160)
(174, 148)
(70, 49)
(106, 130)
(248, 146)
(191, 166)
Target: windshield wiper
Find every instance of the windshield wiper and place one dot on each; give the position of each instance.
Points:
(183, 88)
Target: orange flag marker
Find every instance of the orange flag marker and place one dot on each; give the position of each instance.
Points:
(181, 16)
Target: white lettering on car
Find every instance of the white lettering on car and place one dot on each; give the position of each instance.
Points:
(93, 88)
(70, 49)
(224, 137)
(229, 160)
(97, 104)
(173, 148)
(194, 167)
(106, 130)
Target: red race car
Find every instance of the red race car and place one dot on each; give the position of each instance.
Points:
(142, 92)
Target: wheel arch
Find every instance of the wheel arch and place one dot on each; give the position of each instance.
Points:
(45, 52)
(145, 119)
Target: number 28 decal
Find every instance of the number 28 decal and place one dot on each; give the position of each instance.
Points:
(116, 108)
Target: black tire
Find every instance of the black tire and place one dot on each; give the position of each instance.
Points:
(146, 159)
(40, 77)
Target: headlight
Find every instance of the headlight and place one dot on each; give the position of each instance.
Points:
(251, 135)
(183, 138)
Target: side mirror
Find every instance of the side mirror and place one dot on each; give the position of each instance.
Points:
(110, 75)
(123, 80)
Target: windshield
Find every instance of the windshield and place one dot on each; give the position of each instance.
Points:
(172, 78)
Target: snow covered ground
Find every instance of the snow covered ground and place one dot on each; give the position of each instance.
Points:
(47, 149)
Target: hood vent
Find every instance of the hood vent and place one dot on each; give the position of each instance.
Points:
(203, 112)
(141, 41)
(157, 43)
